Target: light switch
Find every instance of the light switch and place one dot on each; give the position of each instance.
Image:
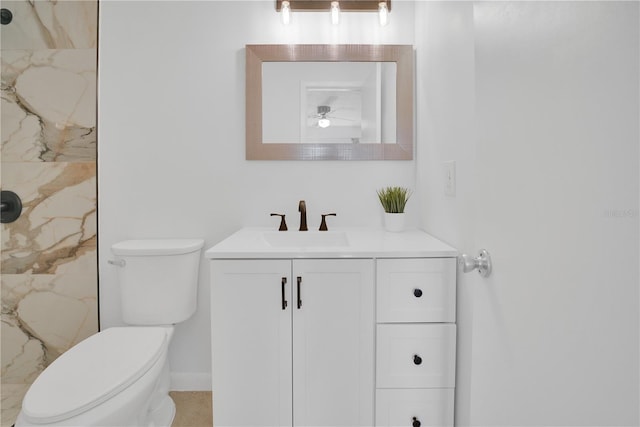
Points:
(449, 178)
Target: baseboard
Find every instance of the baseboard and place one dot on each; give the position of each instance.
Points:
(181, 381)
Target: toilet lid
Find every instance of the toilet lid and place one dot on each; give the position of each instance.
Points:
(93, 371)
(156, 247)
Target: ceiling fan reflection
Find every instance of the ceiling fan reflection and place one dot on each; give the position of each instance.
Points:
(324, 116)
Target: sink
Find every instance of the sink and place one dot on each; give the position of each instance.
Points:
(306, 239)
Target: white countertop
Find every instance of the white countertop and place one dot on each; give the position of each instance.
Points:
(362, 243)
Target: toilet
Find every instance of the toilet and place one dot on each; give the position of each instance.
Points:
(120, 376)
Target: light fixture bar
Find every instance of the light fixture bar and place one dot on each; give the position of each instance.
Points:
(345, 5)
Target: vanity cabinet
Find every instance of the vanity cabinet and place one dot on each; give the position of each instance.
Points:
(350, 328)
(293, 342)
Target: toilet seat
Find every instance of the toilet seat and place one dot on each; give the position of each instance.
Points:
(92, 372)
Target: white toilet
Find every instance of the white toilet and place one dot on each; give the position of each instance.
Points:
(120, 376)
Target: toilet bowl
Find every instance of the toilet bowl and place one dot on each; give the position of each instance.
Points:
(120, 376)
(117, 377)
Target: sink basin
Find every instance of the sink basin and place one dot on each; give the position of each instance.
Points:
(306, 239)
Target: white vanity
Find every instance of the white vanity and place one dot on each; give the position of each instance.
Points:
(354, 327)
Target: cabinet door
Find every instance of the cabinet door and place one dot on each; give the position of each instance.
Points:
(333, 343)
(251, 342)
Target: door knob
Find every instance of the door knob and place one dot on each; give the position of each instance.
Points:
(482, 263)
(11, 207)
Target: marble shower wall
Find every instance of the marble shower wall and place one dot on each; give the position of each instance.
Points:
(48, 157)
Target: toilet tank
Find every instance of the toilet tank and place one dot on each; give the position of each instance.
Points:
(158, 279)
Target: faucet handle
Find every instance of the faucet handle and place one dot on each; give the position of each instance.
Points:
(283, 224)
(323, 223)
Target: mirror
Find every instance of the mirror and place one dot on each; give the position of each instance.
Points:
(329, 102)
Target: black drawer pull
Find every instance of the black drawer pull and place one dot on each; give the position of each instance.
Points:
(299, 279)
(284, 300)
(417, 292)
(417, 359)
(416, 422)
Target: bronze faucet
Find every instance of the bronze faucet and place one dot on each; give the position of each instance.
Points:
(302, 208)
(283, 223)
(323, 223)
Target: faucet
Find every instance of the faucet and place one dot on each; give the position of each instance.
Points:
(323, 223)
(283, 223)
(302, 208)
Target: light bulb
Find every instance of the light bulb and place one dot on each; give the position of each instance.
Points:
(383, 13)
(285, 12)
(324, 123)
(335, 12)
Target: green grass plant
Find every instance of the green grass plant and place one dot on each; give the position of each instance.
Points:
(394, 199)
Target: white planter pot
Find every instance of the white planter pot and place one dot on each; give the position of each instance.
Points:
(394, 222)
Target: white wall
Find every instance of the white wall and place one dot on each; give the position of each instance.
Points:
(171, 139)
(538, 104)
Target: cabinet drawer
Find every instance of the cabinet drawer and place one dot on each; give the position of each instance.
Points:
(398, 407)
(416, 290)
(416, 355)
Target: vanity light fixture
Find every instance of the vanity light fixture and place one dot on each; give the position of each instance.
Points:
(285, 12)
(335, 12)
(382, 7)
(383, 13)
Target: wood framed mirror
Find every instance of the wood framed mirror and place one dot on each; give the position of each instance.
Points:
(329, 102)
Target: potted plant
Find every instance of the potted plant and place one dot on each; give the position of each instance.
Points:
(394, 200)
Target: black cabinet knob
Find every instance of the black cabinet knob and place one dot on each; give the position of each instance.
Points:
(417, 359)
(416, 422)
(417, 292)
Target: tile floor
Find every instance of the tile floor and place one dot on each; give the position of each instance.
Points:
(193, 409)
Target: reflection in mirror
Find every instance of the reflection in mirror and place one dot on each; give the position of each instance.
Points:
(329, 102)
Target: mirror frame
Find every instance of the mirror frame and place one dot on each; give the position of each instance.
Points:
(402, 55)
